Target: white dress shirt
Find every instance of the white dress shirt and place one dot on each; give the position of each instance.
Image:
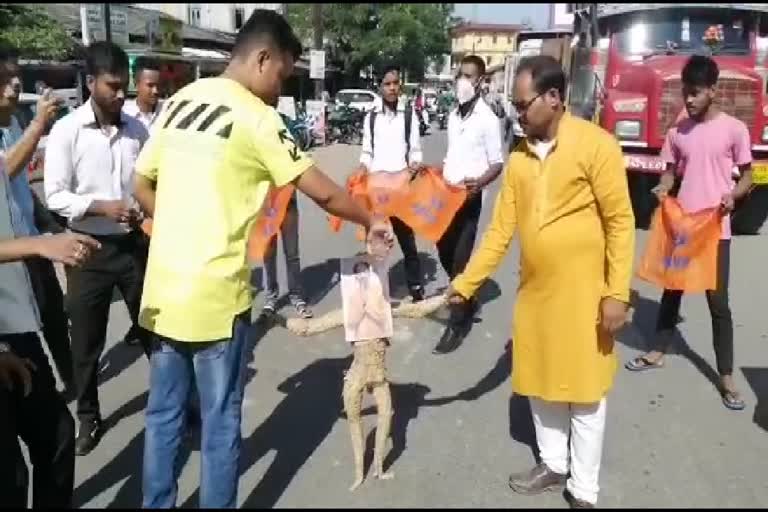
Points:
(389, 149)
(131, 108)
(85, 162)
(474, 143)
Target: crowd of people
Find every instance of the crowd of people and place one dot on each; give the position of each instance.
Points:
(201, 165)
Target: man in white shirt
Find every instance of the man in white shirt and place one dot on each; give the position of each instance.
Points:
(146, 106)
(391, 143)
(89, 165)
(474, 159)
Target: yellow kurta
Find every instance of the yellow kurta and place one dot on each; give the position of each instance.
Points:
(577, 232)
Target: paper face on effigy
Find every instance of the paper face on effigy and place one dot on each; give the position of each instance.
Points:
(365, 299)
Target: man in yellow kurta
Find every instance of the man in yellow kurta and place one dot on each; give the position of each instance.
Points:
(565, 191)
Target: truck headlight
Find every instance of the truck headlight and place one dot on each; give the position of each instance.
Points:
(765, 134)
(628, 130)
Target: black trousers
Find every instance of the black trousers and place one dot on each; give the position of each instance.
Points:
(50, 302)
(719, 310)
(44, 423)
(407, 241)
(120, 263)
(455, 248)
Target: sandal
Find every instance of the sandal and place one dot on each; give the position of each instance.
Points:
(732, 401)
(642, 363)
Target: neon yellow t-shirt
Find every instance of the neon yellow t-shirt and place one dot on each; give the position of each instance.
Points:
(213, 154)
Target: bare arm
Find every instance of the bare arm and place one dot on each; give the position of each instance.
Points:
(744, 186)
(18, 249)
(144, 193)
(330, 197)
(20, 153)
(68, 248)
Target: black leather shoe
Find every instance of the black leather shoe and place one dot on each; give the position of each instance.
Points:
(451, 339)
(575, 502)
(536, 481)
(417, 294)
(88, 438)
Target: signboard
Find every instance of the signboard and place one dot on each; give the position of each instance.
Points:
(315, 110)
(317, 64)
(92, 24)
(286, 105)
(164, 34)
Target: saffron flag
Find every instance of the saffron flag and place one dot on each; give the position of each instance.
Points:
(268, 222)
(426, 203)
(681, 253)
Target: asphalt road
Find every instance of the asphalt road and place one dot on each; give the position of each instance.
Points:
(669, 442)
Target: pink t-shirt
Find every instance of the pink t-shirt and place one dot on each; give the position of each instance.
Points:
(705, 155)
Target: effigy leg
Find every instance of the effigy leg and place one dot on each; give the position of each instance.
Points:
(354, 385)
(383, 398)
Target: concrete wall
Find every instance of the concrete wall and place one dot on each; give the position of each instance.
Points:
(212, 16)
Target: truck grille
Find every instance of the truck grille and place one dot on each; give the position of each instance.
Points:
(735, 96)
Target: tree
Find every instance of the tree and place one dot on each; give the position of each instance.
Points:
(362, 35)
(33, 33)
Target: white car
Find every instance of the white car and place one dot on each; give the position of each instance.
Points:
(360, 99)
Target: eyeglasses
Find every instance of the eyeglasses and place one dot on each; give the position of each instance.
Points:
(521, 107)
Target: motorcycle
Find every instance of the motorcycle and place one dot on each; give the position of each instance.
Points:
(345, 125)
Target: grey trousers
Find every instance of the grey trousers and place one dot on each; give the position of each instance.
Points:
(289, 232)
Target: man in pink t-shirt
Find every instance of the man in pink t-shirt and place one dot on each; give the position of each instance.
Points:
(703, 149)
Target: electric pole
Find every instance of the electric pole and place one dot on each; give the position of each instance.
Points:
(107, 24)
(317, 26)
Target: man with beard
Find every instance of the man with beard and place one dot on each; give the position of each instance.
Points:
(89, 163)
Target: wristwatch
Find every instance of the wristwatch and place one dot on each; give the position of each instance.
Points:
(5, 348)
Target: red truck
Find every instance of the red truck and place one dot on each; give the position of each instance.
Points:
(625, 75)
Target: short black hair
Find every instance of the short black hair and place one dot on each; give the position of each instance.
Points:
(8, 59)
(103, 57)
(477, 61)
(388, 68)
(546, 73)
(144, 65)
(265, 24)
(700, 71)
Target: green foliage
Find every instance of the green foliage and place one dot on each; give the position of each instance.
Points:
(33, 33)
(362, 35)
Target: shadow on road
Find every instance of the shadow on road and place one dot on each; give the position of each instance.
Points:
(296, 427)
(317, 281)
(758, 381)
(398, 288)
(640, 334)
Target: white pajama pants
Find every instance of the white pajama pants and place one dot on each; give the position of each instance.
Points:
(585, 423)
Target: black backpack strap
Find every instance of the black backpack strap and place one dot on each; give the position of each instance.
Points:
(408, 121)
(371, 121)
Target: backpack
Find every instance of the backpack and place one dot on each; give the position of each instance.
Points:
(408, 121)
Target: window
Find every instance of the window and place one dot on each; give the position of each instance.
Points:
(193, 14)
(509, 39)
(489, 60)
(494, 38)
(239, 15)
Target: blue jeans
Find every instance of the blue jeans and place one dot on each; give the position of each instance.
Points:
(218, 367)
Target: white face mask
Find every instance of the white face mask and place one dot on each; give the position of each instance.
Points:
(465, 91)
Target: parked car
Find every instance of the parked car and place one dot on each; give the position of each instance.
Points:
(26, 112)
(359, 99)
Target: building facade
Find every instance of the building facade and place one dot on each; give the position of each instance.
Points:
(491, 42)
(222, 17)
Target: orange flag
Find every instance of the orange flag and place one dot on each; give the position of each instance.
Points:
(268, 223)
(430, 203)
(681, 253)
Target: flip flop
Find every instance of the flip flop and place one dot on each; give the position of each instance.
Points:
(640, 364)
(732, 401)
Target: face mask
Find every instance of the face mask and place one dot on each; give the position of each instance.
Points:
(465, 91)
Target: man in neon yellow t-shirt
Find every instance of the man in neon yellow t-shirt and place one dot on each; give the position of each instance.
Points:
(212, 155)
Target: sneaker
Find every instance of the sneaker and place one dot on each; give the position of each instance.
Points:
(417, 293)
(270, 307)
(302, 309)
